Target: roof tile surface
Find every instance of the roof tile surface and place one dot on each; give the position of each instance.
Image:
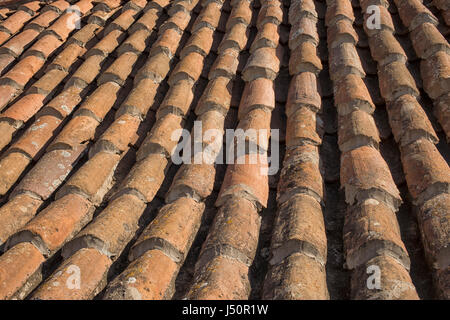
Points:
(94, 97)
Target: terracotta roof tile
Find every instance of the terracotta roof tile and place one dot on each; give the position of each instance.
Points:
(369, 227)
(303, 92)
(357, 129)
(390, 269)
(60, 163)
(16, 213)
(221, 278)
(153, 273)
(217, 96)
(385, 49)
(297, 268)
(441, 112)
(301, 175)
(262, 63)
(49, 230)
(395, 81)
(401, 85)
(93, 266)
(435, 73)
(141, 98)
(409, 121)
(305, 59)
(338, 9)
(118, 136)
(44, 20)
(112, 229)
(15, 22)
(36, 137)
(18, 265)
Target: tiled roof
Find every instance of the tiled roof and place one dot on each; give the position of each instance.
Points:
(93, 97)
